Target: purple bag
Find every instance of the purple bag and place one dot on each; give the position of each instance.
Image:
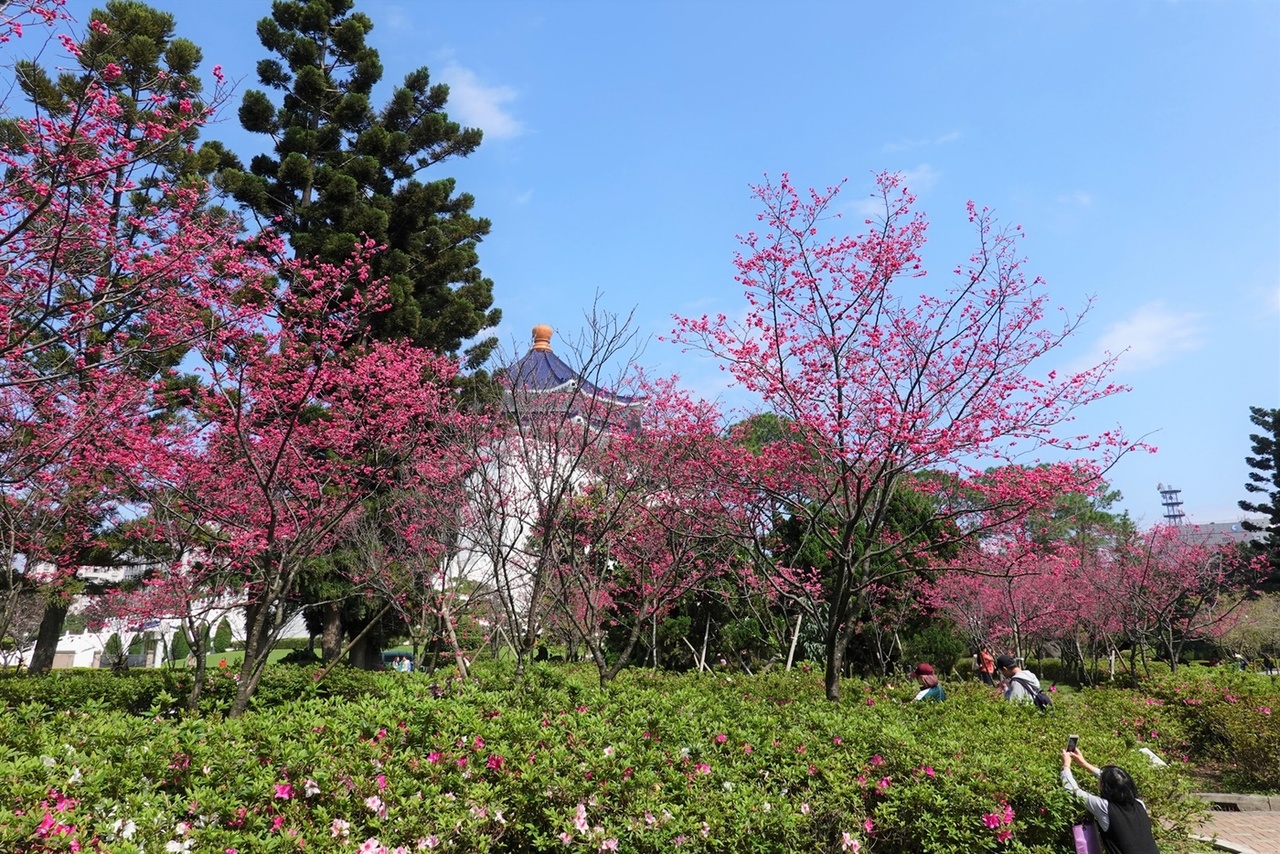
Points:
(1086, 838)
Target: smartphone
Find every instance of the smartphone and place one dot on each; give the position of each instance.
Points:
(1072, 741)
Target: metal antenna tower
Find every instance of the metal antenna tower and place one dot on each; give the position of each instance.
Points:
(1172, 502)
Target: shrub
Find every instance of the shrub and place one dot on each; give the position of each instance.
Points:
(180, 648)
(222, 637)
(703, 762)
(1229, 718)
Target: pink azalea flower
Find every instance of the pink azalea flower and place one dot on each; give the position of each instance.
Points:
(566, 838)
(381, 780)
(868, 825)
(371, 846)
(721, 738)
(1003, 836)
(339, 829)
(284, 791)
(991, 820)
(848, 843)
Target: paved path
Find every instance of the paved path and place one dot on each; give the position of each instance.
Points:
(1248, 831)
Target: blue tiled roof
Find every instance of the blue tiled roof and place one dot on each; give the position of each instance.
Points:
(540, 370)
(543, 370)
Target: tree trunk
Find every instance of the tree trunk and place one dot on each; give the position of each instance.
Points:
(459, 657)
(331, 631)
(55, 616)
(831, 678)
(200, 651)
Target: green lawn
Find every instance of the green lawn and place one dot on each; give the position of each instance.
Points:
(235, 657)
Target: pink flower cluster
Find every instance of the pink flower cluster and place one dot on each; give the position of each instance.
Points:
(1001, 822)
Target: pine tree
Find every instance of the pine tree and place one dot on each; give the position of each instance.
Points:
(339, 170)
(1264, 480)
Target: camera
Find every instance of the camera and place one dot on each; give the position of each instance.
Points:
(1072, 741)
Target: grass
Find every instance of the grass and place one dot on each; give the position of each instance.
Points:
(235, 657)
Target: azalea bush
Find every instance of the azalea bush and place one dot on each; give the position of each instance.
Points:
(1229, 718)
(699, 762)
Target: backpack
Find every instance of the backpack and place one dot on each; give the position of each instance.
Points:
(1038, 695)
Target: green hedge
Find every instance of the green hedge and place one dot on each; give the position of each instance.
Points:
(657, 762)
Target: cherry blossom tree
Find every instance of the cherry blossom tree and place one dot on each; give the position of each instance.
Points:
(111, 257)
(1171, 585)
(879, 389)
(646, 530)
(1008, 590)
(292, 427)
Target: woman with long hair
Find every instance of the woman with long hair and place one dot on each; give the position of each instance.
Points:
(1122, 819)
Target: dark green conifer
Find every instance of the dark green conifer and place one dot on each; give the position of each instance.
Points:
(339, 168)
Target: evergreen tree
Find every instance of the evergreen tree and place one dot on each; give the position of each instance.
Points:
(222, 637)
(113, 652)
(1264, 481)
(181, 648)
(340, 169)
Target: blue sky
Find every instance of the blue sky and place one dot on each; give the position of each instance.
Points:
(1137, 143)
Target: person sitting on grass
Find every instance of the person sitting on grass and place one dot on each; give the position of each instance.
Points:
(1122, 818)
(929, 687)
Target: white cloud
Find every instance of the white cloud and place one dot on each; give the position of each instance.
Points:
(1268, 299)
(909, 144)
(921, 178)
(1152, 336)
(476, 105)
(1079, 198)
(918, 180)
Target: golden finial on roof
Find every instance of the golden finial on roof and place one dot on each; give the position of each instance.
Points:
(542, 337)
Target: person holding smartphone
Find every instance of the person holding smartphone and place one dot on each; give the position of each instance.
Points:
(1122, 819)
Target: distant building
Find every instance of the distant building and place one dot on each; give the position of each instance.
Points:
(523, 471)
(1218, 533)
(541, 385)
(1208, 533)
